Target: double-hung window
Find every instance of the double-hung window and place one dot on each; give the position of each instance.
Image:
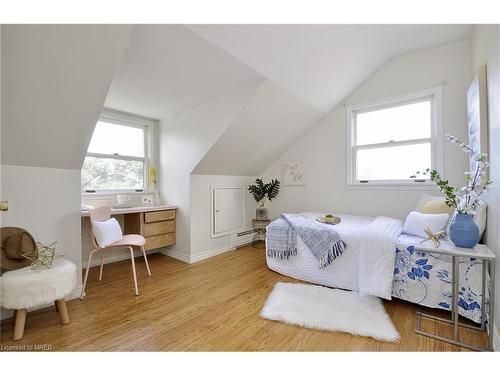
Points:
(389, 140)
(117, 157)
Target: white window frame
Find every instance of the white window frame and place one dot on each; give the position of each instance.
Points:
(127, 119)
(435, 94)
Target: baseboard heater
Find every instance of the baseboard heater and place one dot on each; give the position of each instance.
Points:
(245, 232)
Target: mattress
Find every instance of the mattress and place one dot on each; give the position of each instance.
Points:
(421, 278)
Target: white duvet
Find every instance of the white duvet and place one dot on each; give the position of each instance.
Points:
(367, 264)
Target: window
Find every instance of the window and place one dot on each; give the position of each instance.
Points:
(392, 139)
(117, 156)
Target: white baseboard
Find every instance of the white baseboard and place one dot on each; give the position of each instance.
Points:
(242, 241)
(234, 243)
(176, 254)
(209, 253)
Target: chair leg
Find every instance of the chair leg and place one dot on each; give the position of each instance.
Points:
(133, 270)
(102, 264)
(62, 310)
(87, 273)
(19, 327)
(146, 260)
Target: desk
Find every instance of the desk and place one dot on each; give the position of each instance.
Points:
(488, 258)
(156, 223)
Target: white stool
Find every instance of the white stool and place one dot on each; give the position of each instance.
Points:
(26, 288)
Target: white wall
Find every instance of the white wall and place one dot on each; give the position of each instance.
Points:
(184, 139)
(323, 147)
(202, 245)
(45, 202)
(486, 51)
(55, 80)
(271, 121)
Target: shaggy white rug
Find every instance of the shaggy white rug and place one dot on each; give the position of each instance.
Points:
(328, 309)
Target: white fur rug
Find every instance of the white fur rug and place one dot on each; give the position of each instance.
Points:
(328, 309)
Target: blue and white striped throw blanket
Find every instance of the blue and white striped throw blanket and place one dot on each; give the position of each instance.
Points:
(323, 241)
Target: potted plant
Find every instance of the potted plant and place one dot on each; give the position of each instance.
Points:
(260, 192)
(463, 231)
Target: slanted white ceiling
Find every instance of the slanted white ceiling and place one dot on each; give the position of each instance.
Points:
(270, 122)
(322, 64)
(54, 83)
(169, 68)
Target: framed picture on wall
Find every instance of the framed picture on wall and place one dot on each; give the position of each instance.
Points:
(477, 114)
(294, 173)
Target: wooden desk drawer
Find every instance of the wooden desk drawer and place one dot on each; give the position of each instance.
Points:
(150, 217)
(160, 227)
(155, 242)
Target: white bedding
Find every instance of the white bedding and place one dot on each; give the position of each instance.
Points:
(344, 271)
(417, 277)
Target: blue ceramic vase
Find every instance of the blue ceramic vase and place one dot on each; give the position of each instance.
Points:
(463, 231)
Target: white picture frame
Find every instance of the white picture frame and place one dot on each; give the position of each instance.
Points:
(477, 115)
(294, 173)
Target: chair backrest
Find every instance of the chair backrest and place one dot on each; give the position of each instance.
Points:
(99, 214)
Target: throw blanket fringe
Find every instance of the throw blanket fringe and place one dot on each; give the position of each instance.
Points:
(282, 254)
(328, 258)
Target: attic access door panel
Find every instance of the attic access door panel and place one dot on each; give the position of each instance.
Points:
(227, 210)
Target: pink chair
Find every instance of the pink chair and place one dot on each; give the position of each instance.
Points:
(128, 240)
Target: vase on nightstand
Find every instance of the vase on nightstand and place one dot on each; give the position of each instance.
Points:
(463, 231)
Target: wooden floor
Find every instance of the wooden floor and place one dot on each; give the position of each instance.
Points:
(212, 305)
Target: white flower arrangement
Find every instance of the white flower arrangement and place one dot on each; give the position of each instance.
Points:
(466, 198)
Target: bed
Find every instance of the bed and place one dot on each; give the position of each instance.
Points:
(424, 279)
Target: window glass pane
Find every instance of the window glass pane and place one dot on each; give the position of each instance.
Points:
(404, 122)
(103, 173)
(393, 163)
(117, 139)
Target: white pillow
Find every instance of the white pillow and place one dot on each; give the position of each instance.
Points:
(417, 222)
(107, 232)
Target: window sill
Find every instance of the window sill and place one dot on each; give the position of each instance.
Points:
(112, 194)
(392, 186)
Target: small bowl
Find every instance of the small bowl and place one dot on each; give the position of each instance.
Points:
(335, 220)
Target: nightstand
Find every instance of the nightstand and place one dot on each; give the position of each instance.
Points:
(487, 257)
(259, 227)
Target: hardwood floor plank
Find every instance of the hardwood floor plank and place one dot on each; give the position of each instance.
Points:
(212, 305)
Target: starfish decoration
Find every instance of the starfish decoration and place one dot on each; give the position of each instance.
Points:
(44, 256)
(434, 237)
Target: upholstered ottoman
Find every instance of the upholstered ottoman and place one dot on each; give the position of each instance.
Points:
(26, 288)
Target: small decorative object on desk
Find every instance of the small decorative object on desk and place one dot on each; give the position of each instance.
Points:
(260, 192)
(434, 237)
(463, 231)
(148, 200)
(329, 219)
